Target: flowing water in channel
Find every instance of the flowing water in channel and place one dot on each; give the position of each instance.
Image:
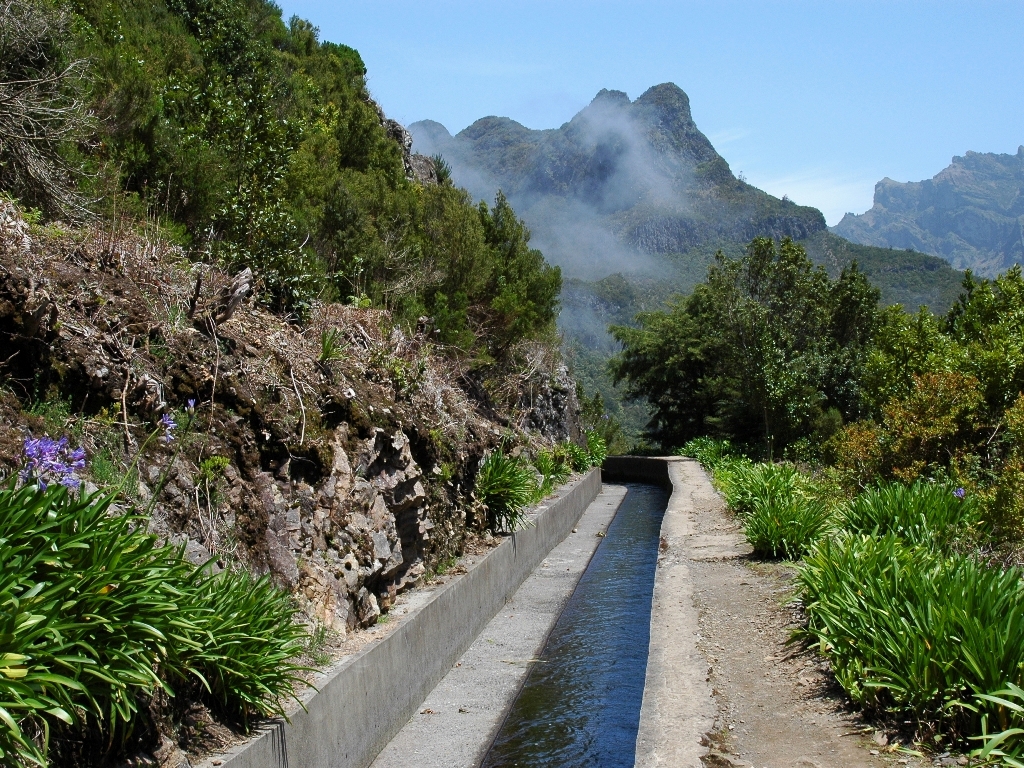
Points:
(580, 705)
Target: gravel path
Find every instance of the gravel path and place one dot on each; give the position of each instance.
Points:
(776, 705)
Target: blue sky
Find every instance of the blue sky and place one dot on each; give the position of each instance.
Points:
(814, 100)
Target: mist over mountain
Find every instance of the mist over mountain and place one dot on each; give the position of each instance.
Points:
(971, 213)
(621, 182)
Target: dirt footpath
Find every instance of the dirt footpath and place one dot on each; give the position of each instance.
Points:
(776, 705)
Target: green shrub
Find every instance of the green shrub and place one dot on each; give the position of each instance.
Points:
(745, 484)
(244, 642)
(506, 486)
(922, 513)
(96, 611)
(578, 457)
(597, 448)
(1004, 746)
(103, 593)
(553, 467)
(708, 451)
(786, 525)
(912, 630)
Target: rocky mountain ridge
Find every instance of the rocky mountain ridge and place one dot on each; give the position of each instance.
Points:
(622, 177)
(632, 192)
(971, 213)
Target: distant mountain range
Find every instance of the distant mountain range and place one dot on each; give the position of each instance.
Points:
(634, 187)
(971, 214)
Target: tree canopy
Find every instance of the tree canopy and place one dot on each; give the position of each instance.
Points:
(254, 143)
(768, 349)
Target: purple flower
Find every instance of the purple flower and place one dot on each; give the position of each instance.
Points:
(169, 426)
(191, 406)
(959, 493)
(48, 461)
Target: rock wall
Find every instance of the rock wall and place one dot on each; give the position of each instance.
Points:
(345, 478)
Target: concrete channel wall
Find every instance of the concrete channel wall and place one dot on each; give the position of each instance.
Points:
(362, 705)
(637, 469)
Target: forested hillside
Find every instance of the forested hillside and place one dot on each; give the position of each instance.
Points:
(262, 370)
(255, 144)
(883, 450)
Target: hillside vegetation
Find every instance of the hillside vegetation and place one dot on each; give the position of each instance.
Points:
(256, 145)
(263, 371)
(881, 449)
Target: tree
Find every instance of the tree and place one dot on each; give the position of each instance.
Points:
(522, 294)
(761, 351)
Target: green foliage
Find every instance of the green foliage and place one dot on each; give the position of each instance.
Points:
(554, 468)
(263, 146)
(212, 468)
(244, 642)
(922, 513)
(986, 323)
(910, 629)
(506, 486)
(332, 346)
(594, 418)
(750, 484)
(522, 290)
(786, 525)
(96, 611)
(905, 277)
(557, 464)
(709, 451)
(781, 510)
(1006, 709)
(759, 352)
(442, 169)
(55, 413)
(597, 448)
(577, 456)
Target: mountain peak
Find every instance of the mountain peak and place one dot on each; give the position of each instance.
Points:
(969, 213)
(611, 98)
(667, 96)
(619, 182)
(431, 130)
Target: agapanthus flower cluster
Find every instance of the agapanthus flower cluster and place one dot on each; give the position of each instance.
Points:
(50, 461)
(959, 493)
(169, 425)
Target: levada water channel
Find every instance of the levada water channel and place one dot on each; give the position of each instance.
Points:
(580, 705)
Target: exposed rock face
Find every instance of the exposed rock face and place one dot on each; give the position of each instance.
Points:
(328, 474)
(621, 177)
(551, 408)
(401, 136)
(360, 533)
(423, 169)
(971, 214)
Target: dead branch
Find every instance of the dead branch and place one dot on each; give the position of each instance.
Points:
(41, 106)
